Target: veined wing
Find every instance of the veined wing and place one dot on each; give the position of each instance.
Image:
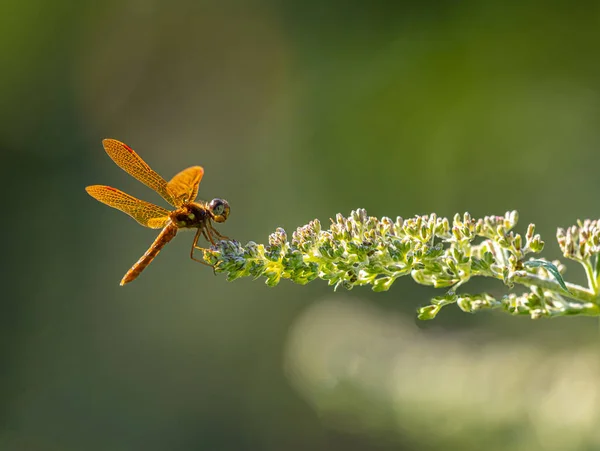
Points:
(147, 214)
(126, 158)
(184, 186)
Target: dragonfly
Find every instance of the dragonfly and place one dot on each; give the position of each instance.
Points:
(180, 192)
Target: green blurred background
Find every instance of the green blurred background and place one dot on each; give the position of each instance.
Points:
(296, 110)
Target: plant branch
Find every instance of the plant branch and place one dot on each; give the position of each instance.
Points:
(443, 253)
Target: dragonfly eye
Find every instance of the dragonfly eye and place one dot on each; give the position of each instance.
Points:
(219, 209)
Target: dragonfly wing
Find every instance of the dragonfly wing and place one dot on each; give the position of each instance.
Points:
(184, 186)
(126, 158)
(147, 214)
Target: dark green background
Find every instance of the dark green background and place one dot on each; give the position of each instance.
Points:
(296, 110)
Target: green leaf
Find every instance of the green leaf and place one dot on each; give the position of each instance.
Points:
(552, 269)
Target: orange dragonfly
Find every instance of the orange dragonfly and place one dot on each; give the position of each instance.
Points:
(180, 192)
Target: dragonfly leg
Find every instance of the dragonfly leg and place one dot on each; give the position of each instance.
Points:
(216, 232)
(208, 235)
(195, 246)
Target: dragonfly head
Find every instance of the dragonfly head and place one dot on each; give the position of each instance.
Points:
(219, 209)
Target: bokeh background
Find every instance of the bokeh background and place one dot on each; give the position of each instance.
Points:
(297, 110)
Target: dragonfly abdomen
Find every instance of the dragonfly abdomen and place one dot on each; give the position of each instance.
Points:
(166, 235)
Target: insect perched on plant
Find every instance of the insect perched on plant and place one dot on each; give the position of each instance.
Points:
(180, 192)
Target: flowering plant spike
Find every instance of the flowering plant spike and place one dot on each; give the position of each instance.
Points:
(364, 250)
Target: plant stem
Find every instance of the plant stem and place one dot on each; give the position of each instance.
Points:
(576, 292)
(589, 273)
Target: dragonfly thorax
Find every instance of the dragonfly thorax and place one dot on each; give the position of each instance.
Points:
(190, 215)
